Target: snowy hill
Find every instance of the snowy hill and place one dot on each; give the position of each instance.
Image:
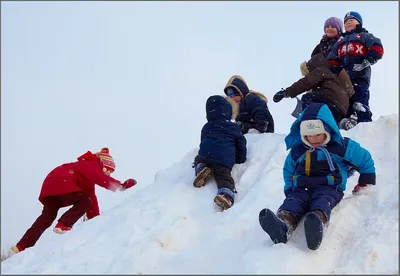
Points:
(172, 227)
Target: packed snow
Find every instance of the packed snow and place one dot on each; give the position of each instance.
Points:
(170, 227)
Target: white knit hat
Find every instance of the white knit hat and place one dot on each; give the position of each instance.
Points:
(313, 127)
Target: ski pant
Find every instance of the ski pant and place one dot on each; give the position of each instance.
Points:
(223, 177)
(361, 95)
(303, 200)
(51, 204)
(315, 97)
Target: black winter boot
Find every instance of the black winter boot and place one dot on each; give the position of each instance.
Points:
(314, 225)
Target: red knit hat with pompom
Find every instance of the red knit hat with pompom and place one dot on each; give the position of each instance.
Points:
(106, 159)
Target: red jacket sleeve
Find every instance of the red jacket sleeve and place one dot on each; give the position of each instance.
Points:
(94, 210)
(91, 170)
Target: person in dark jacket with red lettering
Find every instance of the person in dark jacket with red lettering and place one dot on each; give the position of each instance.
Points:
(356, 51)
(72, 184)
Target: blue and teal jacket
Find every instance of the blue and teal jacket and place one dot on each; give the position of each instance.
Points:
(307, 167)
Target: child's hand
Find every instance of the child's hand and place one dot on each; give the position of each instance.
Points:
(358, 188)
(361, 66)
(127, 184)
(280, 95)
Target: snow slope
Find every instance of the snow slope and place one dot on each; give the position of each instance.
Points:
(172, 227)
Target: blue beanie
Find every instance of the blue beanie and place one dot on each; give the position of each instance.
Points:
(354, 15)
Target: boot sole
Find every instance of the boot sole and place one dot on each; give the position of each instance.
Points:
(59, 231)
(313, 229)
(271, 224)
(202, 177)
(222, 202)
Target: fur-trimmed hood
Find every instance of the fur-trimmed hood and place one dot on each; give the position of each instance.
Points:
(235, 107)
(261, 95)
(237, 82)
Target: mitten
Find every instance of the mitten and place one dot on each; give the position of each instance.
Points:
(244, 127)
(358, 188)
(361, 66)
(280, 95)
(127, 184)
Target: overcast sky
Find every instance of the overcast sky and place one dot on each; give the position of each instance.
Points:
(134, 76)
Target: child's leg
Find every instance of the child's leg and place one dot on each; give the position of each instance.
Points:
(296, 203)
(81, 203)
(324, 199)
(316, 97)
(280, 226)
(360, 100)
(226, 186)
(50, 209)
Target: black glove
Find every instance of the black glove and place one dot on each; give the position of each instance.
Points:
(244, 127)
(280, 95)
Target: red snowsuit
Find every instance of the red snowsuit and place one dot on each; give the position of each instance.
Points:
(69, 184)
(79, 176)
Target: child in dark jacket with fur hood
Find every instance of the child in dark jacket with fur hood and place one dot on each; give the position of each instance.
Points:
(222, 145)
(253, 109)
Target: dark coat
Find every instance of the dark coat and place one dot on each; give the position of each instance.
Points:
(253, 110)
(324, 46)
(322, 80)
(222, 142)
(352, 48)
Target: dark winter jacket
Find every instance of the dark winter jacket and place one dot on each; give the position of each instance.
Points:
(307, 167)
(324, 45)
(322, 80)
(352, 48)
(222, 142)
(253, 110)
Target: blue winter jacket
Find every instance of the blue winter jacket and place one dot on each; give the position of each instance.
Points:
(352, 48)
(253, 111)
(222, 142)
(308, 167)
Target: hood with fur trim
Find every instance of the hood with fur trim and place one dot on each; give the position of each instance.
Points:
(235, 107)
(261, 95)
(237, 82)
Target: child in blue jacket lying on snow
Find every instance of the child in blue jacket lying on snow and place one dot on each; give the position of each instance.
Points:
(222, 145)
(315, 175)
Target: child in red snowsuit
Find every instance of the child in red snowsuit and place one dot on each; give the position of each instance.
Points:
(72, 184)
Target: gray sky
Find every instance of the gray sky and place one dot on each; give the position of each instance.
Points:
(135, 76)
